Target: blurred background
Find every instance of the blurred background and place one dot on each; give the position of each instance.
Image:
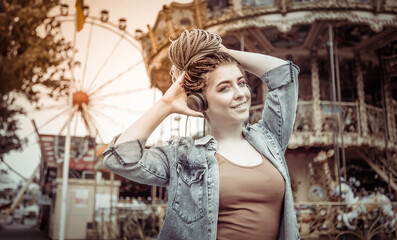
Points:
(109, 60)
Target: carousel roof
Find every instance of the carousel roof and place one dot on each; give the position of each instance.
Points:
(278, 27)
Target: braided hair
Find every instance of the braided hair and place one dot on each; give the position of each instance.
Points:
(197, 52)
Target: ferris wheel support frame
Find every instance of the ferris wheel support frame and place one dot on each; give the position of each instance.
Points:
(86, 116)
(81, 106)
(65, 176)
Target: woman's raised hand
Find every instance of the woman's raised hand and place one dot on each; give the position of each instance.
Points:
(176, 98)
(222, 48)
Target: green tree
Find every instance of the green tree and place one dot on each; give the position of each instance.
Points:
(33, 58)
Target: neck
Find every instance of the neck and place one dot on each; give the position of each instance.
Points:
(224, 133)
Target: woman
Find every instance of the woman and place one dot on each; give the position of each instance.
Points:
(233, 183)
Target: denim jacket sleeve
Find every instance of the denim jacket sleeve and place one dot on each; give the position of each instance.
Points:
(278, 115)
(132, 161)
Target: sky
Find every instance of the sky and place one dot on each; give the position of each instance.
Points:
(108, 57)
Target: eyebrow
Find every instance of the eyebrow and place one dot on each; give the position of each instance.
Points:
(228, 81)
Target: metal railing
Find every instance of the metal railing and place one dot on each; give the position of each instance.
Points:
(376, 121)
(351, 119)
(372, 217)
(349, 115)
(304, 117)
(129, 223)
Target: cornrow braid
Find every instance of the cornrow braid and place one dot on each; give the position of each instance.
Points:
(197, 53)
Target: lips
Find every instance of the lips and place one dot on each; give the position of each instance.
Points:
(241, 105)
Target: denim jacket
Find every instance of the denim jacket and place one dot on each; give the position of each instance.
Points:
(191, 172)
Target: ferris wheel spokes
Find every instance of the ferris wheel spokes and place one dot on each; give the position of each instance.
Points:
(93, 102)
(115, 94)
(78, 115)
(103, 105)
(44, 124)
(95, 125)
(53, 118)
(90, 126)
(74, 110)
(105, 62)
(101, 114)
(86, 56)
(92, 93)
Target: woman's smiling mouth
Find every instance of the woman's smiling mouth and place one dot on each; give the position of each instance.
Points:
(241, 105)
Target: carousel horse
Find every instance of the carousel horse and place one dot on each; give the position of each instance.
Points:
(356, 205)
(363, 205)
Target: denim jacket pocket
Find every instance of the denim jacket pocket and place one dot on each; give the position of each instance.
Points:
(188, 200)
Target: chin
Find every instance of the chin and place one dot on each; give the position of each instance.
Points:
(243, 117)
(246, 119)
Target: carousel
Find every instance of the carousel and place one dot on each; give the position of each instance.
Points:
(342, 154)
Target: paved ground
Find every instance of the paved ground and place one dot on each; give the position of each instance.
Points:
(27, 231)
(17, 231)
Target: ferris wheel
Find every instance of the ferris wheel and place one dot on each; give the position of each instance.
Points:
(108, 84)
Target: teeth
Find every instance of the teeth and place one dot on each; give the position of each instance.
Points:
(240, 105)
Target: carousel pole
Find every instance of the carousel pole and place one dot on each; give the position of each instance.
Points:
(341, 127)
(387, 153)
(336, 124)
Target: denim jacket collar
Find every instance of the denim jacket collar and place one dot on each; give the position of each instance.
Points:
(208, 141)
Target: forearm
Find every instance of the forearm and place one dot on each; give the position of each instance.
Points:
(256, 63)
(147, 123)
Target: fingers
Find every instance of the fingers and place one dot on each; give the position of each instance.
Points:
(193, 113)
(176, 88)
(179, 98)
(181, 78)
(222, 48)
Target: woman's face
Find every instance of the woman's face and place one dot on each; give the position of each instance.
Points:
(228, 97)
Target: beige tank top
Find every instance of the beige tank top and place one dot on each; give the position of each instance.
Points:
(250, 200)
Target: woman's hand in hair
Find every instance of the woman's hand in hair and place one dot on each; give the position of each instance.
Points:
(176, 98)
(222, 48)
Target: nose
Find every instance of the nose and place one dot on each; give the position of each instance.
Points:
(238, 93)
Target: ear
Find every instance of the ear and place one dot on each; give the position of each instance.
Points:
(249, 88)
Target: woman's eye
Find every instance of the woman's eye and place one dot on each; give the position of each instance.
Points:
(223, 89)
(242, 83)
